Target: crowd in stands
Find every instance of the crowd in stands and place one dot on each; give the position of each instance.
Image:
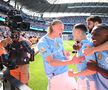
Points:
(41, 23)
(32, 36)
(54, 59)
(69, 22)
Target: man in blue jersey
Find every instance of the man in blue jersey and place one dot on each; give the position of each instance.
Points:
(54, 58)
(84, 82)
(100, 36)
(91, 22)
(99, 67)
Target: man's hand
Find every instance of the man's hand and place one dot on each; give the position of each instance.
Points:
(95, 68)
(71, 73)
(91, 65)
(77, 60)
(67, 54)
(88, 50)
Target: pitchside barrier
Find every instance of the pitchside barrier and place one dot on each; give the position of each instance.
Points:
(11, 83)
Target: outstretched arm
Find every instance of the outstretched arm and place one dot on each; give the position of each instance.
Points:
(86, 72)
(56, 62)
(91, 69)
(77, 60)
(101, 47)
(103, 72)
(91, 50)
(94, 67)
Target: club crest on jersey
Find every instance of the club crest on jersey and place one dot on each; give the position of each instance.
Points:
(99, 56)
(43, 50)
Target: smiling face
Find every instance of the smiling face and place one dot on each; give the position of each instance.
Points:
(93, 21)
(55, 29)
(77, 34)
(58, 29)
(99, 35)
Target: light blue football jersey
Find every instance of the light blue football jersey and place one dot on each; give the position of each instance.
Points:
(54, 48)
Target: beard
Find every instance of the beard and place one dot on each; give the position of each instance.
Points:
(90, 30)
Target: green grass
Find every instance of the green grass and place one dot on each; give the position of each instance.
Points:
(38, 79)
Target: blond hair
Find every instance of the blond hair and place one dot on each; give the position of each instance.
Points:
(54, 22)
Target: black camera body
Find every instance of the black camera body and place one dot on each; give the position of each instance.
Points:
(15, 21)
(16, 24)
(20, 53)
(4, 61)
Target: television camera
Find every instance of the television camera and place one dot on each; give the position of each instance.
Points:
(14, 20)
(16, 24)
(7, 61)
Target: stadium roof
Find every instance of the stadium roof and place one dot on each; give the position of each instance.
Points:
(74, 1)
(71, 6)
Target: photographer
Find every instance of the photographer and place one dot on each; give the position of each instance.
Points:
(3, 64)
(3, 44)
(20, 54)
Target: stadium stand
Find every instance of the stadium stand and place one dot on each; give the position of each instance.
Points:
(39, 24)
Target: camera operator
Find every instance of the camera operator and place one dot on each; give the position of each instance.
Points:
(4, 64)
(20, 54)
(3, 44)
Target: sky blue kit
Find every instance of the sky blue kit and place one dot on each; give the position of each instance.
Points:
(102, 61)
(54, 48)
(83, 65)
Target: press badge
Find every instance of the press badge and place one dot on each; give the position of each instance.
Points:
(99, 56)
